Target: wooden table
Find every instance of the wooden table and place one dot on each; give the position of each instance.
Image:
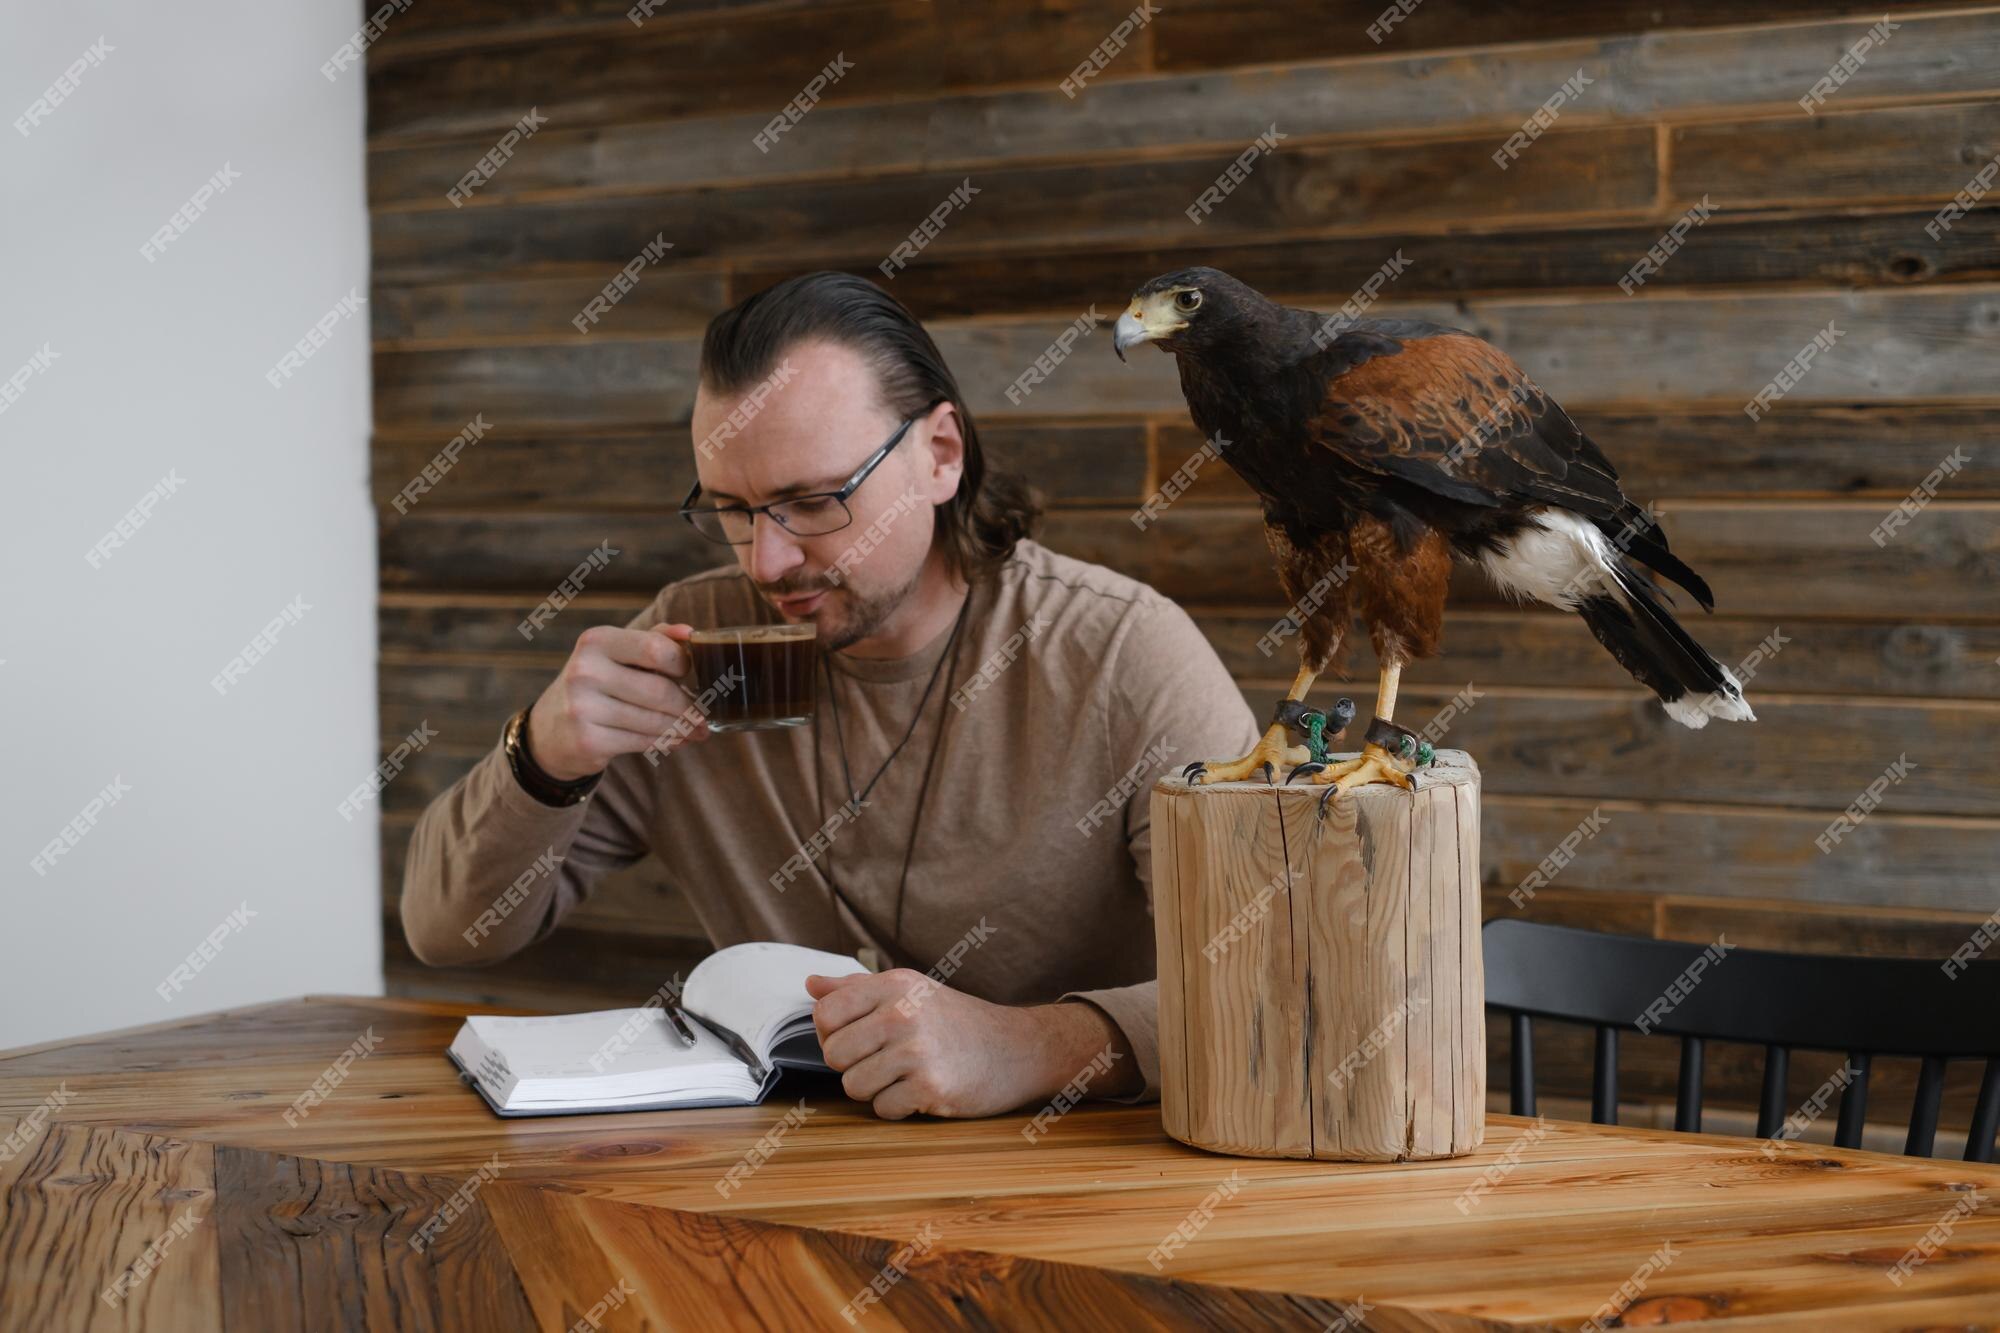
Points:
(175, 1138)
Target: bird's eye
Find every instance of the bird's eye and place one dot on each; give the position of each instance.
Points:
(1187, 302)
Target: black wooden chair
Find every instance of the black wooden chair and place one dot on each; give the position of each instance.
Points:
(1862, 1006)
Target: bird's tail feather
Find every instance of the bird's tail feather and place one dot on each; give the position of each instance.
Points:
(1633, 623)
(1638, 532)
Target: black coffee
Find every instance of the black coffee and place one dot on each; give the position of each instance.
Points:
(754, 676)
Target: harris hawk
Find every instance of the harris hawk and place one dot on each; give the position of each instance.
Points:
(1383, 451)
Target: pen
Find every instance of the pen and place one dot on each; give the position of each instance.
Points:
(673, 1009)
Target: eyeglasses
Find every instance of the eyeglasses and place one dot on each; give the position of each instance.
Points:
(812, 515)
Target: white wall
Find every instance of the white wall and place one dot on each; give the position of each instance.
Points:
(159, 370)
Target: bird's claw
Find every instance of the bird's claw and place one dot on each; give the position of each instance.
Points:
(1193, 772)
(1266, 769)
(1303, 771)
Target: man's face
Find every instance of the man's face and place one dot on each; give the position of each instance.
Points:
(809, 436)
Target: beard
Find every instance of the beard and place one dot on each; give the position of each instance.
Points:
(847, 614)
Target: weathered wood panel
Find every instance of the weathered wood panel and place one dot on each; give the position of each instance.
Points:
(1897, 858)
(1483, 646)
(1310, 189)
(667, 299)
(1823, 555)
(1878, 450)
(1896, 861)
(1859, 250)
(1894, 346)
(1890, 346)
(603, 381)
(1069, 462)
(1890, 932)
(522, 550)
(1210, 34)
(464, 25)
(750, 61)
(1836, 157)
(1781, 560)
(1569, 743)
(1546, 743)
(441, 625)
(510, 470)
(1616, 911)
(1807, 451)
(1390, 93)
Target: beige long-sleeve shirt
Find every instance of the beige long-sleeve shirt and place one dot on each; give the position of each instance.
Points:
(1074, 689)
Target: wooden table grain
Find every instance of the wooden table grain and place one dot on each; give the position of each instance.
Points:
(155, 1181)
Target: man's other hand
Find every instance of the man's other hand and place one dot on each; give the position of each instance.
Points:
(907, 1044)
(623, 691)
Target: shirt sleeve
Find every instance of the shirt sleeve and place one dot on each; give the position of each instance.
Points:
(1171, 701)
(491, 870)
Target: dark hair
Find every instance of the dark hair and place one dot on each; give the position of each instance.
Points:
(993, 509)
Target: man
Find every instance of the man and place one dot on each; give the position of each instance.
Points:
(971, 799)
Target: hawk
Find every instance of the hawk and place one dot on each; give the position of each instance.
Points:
(1383, 451)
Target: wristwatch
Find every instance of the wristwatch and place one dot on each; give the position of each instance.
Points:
(538, 784)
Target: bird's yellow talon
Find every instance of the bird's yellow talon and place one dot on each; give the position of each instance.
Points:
(1372, 765)
(1271, 749)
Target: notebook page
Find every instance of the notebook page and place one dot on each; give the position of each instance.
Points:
(753, 989)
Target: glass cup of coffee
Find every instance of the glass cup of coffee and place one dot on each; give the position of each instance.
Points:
(754, 677)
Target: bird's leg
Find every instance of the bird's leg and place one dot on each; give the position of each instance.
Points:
(1376, 763)
(1271, 750)
(1385, 690)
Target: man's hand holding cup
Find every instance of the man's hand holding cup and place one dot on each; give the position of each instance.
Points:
(622, 691)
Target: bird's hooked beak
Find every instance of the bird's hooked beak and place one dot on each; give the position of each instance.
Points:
(1144, 321)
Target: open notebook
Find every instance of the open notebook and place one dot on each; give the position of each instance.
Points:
(753, 1018)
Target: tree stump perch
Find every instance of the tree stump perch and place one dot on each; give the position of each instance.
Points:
(1321, 986)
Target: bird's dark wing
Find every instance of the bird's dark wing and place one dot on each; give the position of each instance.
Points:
(1446, 410)
(1454, 414)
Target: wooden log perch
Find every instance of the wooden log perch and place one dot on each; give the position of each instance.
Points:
(1321, 986)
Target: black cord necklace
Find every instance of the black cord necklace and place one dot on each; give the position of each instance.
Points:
(947, 665)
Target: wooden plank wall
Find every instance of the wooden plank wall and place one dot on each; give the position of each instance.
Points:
(1889, 650)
